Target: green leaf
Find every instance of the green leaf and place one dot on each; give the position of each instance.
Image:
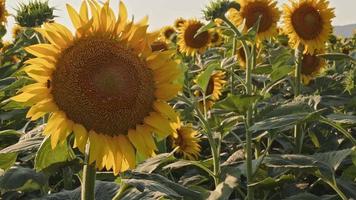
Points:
(265, 69)
(224, 190)
(284, 121)
(339, 128)
(9, 137)
(280, 72)
(205, 28)
(22, 179)
(204, 77)
(271, 183)
(237, 103)
(152, 164)
(46, 156)
(7, 160)
(342, 118)
(335, 56)
(158, 183)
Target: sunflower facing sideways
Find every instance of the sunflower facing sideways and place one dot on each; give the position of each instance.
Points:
(189, 43)
(311, 66)
(187, 141)
(178, 23)
(308, 22)
(104, 84)
(213, 90)
(167, 33)
(251, 10)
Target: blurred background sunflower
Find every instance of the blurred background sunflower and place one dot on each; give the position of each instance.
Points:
(308, 22)
(249, 13)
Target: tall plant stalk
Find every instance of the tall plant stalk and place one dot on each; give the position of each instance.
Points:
(89, 175)
(250, 62)
(298, 132)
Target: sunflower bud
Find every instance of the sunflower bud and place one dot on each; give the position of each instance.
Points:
(217, 9)
(34, 14)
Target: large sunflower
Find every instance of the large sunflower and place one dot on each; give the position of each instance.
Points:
(214, 89)
(250, 12)
(189, 43)
(308, 22)
(187, 141)
(312, 65)
(3, 12)
(104, 84)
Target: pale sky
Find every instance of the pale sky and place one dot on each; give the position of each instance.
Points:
(164, 12)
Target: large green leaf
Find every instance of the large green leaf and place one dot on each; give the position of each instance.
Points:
(46, 156)
(204, 77)
(237, 103)
(158, 183)
(22, 179)
(152, 164)
(230, 181)
(7, 160)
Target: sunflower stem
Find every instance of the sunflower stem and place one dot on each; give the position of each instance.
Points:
(123, 188)
(250, 64)
(89, 175)
(298, 132)
(234, 49)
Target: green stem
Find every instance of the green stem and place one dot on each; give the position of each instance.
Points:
(89, 175)
(234, 50)
(121, 192)
(337, 190)
(250, 64)
(298, 132)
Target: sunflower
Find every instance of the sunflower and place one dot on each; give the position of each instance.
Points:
(16, 31)
(104, 84)
(311, 66)
(3, 12)
(167, 32)
(178, 23)
(189, 43)
(308, 22)
(213, 90)
(187, 141)
(217, 39)
(250, 12)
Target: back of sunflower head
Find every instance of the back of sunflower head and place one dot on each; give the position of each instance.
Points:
(34, 14)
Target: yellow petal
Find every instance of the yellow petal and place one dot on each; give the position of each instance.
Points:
(84, 12)
(162, 126)
(127, 151)
(167, 91)
(41, 108)
(166, 110)
(137, 140)
(74, 16)
(81, 137)
(42, 50)
(41, 62)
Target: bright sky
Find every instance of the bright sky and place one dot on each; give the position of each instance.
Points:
(164, 12)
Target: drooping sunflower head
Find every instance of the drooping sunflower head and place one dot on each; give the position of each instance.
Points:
(3, 12)
(187, 141)
(104, 84)
(178, 23)
(167, 33)
(217, 39)
(250, 12)
(312, 65)
(214, 89)
(308, 22)
(189, 43)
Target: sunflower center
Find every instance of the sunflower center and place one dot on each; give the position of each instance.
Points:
(168, 33)
(210, 87)
(310, 64)
(307, 22)
(103, 85)
(198, 41)
(254, 11)
(215, 37)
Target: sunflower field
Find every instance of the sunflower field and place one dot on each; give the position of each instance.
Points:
(250, 101)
